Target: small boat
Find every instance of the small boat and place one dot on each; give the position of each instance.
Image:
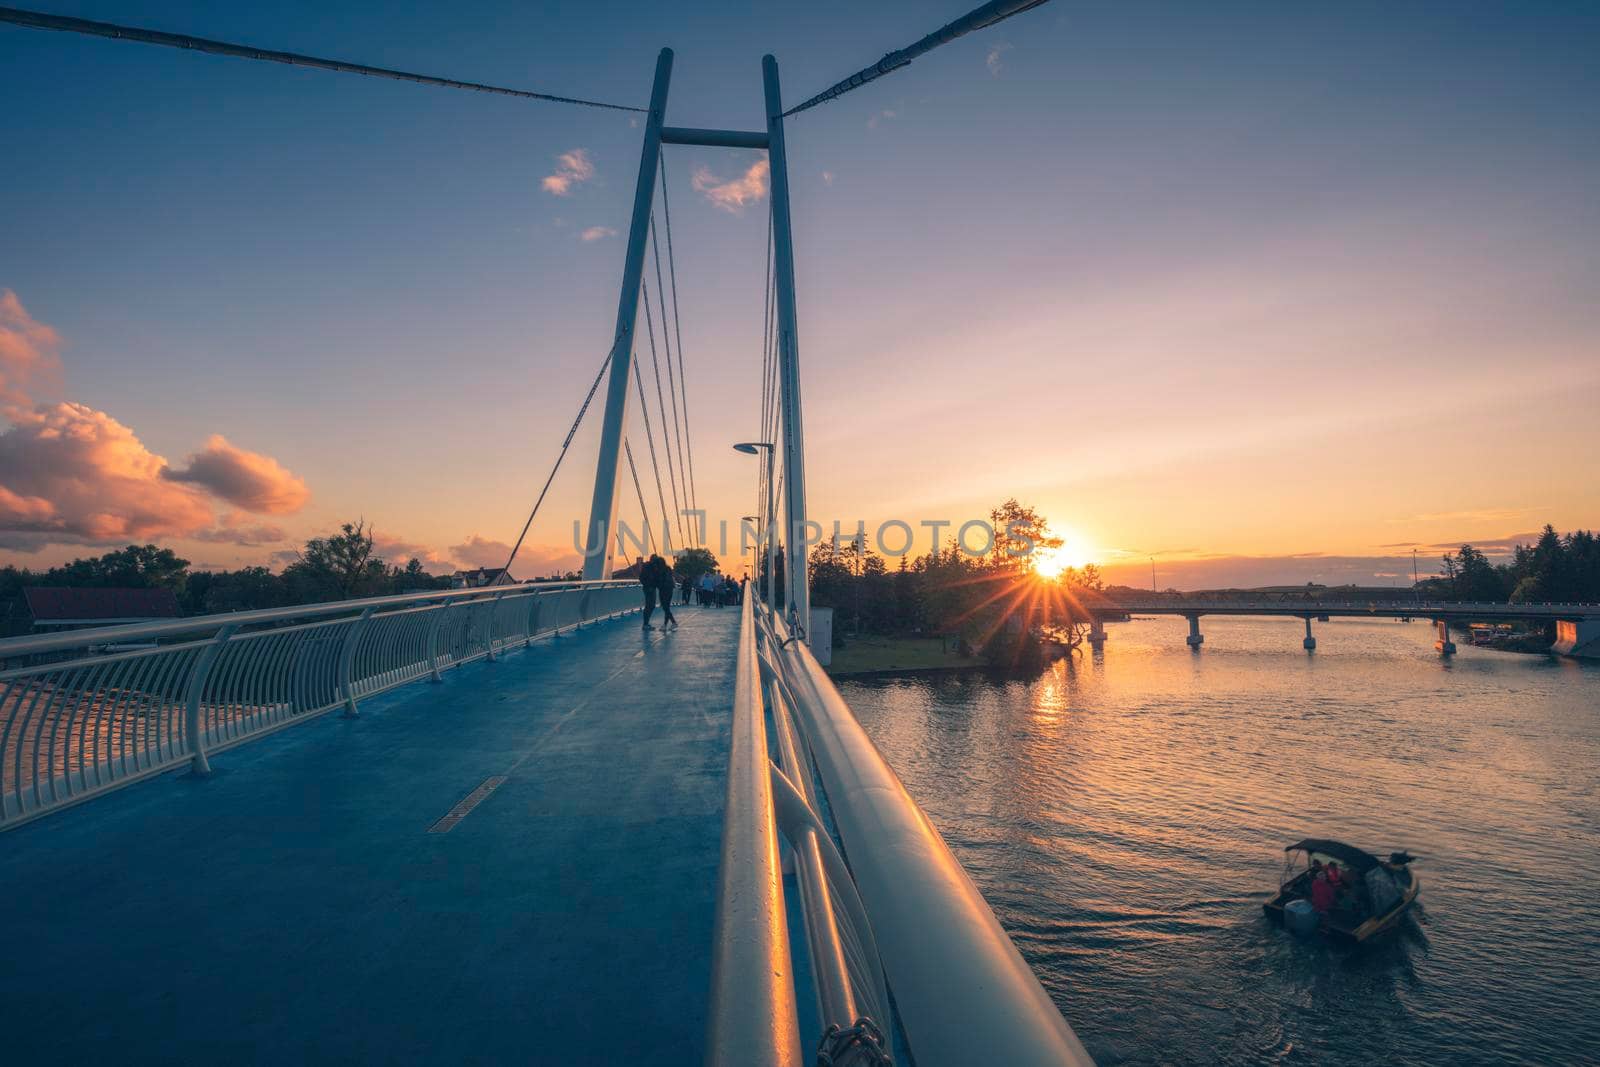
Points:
(1371, 898)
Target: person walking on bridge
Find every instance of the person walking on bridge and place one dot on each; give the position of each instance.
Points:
(656, 577)
(647, 580)
(665, 585)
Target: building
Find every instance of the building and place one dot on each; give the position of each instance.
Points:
(481, 577)
(67, 608)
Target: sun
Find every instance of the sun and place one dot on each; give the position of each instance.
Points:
(1075, 551)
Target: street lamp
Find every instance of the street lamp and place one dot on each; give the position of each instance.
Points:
(753, 448)
(755, 569)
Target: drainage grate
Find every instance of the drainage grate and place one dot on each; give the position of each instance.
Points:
(464, 807)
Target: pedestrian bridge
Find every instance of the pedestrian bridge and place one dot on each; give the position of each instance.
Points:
(499, 825)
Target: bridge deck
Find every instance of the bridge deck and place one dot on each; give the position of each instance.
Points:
(295, 907)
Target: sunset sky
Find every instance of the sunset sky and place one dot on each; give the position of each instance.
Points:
(1269, 293)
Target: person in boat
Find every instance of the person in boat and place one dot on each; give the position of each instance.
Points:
(1323, 893)
(1335, 876)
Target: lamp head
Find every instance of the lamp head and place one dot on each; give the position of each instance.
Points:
(752, 448)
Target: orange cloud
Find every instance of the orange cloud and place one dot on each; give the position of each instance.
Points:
(245, 479)
(76, 474)
(397, 552)
(29, 355)
(735, 194)
(477, 551)
(572, 168)
(233, 531)
(70, 473)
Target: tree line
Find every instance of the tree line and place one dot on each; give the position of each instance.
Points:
(337, 567)
(993, 602)
(1556, 568)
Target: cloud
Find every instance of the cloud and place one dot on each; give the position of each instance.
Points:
(478, 551)
(72, 474)
(827, 177)
(1479, 515)
(29, 355)
(244, 479)
(397, 552)
(992, 60)
(885, 114)
(596, 233)
(735, 194)
(233, 531)
(572, 168)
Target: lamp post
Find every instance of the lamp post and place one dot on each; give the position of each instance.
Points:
(753, 448)
(755, 568)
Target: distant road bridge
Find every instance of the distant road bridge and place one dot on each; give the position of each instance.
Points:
(1577, 625)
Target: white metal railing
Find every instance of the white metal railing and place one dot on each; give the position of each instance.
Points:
(901, 914)
(85, 711)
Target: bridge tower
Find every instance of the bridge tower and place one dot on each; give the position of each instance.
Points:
(603, 506)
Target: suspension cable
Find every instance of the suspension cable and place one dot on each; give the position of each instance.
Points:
(666, 445)
(40, 21)
(677, 329)
(980, 18)
(566, 444)
(766, 327)
(644, 512)
(655, 465)
(666, 342)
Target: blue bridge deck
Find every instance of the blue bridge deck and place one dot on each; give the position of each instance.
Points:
(295, 907)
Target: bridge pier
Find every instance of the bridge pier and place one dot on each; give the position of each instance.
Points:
(1577, 637)
(1195, 638)
(1310, 642)
(1097, 633)
(1444, 645)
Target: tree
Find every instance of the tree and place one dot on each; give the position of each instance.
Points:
(337, 567)
(693, 563)
(1020, 533)
(1476, 577)
(248, 589)
(134, 567)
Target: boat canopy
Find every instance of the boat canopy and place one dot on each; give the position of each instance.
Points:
(1349, 855)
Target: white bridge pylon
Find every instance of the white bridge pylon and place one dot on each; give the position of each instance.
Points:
(603, 509)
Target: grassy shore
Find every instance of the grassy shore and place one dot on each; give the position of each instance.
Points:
(890, 655)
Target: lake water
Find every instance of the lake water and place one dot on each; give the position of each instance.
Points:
(1125, 816)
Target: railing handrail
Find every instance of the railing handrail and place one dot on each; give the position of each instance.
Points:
(33, 644)
(752, 1016)
(99, 718)
(962, 991)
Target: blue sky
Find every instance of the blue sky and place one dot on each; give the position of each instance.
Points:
(1230, 280)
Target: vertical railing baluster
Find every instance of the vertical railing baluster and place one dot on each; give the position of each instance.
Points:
(433, 641)
(347, 659)
(493, 611)
(193, 735)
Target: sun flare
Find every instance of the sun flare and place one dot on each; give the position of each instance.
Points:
(1075, 551)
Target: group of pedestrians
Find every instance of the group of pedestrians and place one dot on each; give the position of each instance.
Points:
(710, 590)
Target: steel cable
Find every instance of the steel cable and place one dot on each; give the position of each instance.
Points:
(677, 329)
(40, 21)
(644, 512)
(977, 19)
(661, 403)
(666, 343)
(655, 464)
(565, 445)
